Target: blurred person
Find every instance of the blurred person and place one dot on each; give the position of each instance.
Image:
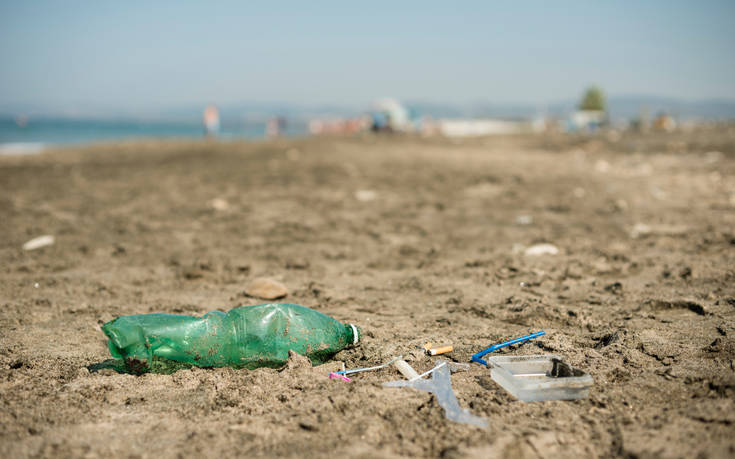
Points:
(274, 126)
(210, 121)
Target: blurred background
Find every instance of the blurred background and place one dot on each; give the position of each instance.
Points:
(95, 71)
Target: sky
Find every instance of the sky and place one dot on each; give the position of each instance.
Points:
(134, 56)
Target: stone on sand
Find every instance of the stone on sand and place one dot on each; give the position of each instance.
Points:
(642, 230)
(267, 289)
(39, 242)
(219, 204)
(541, 249)
(366, 195)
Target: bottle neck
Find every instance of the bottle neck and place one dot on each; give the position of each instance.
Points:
(353, 334)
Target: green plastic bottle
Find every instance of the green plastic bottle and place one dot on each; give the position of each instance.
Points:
(244, 337)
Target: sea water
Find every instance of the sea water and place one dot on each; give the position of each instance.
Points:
(33, 135)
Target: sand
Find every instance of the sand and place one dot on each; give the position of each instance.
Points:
(414, 240)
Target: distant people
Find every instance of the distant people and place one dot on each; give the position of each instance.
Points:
(210, 121)
(274, 126)
(380, 122)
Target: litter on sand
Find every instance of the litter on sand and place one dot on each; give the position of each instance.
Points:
(478, 357)
(440, 385)
(244, 337)
(377, 367)
(429, 371)
(405, 369)
(342, 377)
(441, 350)
(535, 378)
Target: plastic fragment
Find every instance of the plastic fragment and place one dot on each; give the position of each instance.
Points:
(405, 369)
(377, 367)
(342, 377)
(428, 372)
(440, 385)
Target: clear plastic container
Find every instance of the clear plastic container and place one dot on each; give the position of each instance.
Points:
(535, 378)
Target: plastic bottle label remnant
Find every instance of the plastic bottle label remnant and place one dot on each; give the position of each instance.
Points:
(244, 337)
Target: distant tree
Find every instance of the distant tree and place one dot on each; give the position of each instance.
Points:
(594, 99)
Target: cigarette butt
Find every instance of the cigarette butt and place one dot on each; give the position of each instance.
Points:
(441, 350)
(427, 346)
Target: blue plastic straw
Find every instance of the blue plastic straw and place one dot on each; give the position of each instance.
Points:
(495, 347)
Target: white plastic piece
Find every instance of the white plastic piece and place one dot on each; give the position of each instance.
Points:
(429, 371)
(355, 335)
(406, 370)
(39, 242)
(535, 378)
(377, 367)
(440, 385)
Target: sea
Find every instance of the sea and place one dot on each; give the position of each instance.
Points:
(31, 136)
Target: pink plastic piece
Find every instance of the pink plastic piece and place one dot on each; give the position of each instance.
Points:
(338, 376)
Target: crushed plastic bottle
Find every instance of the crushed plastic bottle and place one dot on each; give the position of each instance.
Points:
(244, 337)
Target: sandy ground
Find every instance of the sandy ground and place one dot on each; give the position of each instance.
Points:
(414, 240)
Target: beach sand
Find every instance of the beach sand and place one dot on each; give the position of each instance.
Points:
(414, 240)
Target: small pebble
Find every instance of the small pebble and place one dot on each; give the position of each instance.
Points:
(39, 242)
(541, 249)
(365, 195)
(640, 229)
(602, 166)
(267, 289)
(219, 204)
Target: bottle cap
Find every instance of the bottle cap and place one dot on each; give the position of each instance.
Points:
(355, 334)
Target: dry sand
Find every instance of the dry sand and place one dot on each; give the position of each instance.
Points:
(414, 240)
